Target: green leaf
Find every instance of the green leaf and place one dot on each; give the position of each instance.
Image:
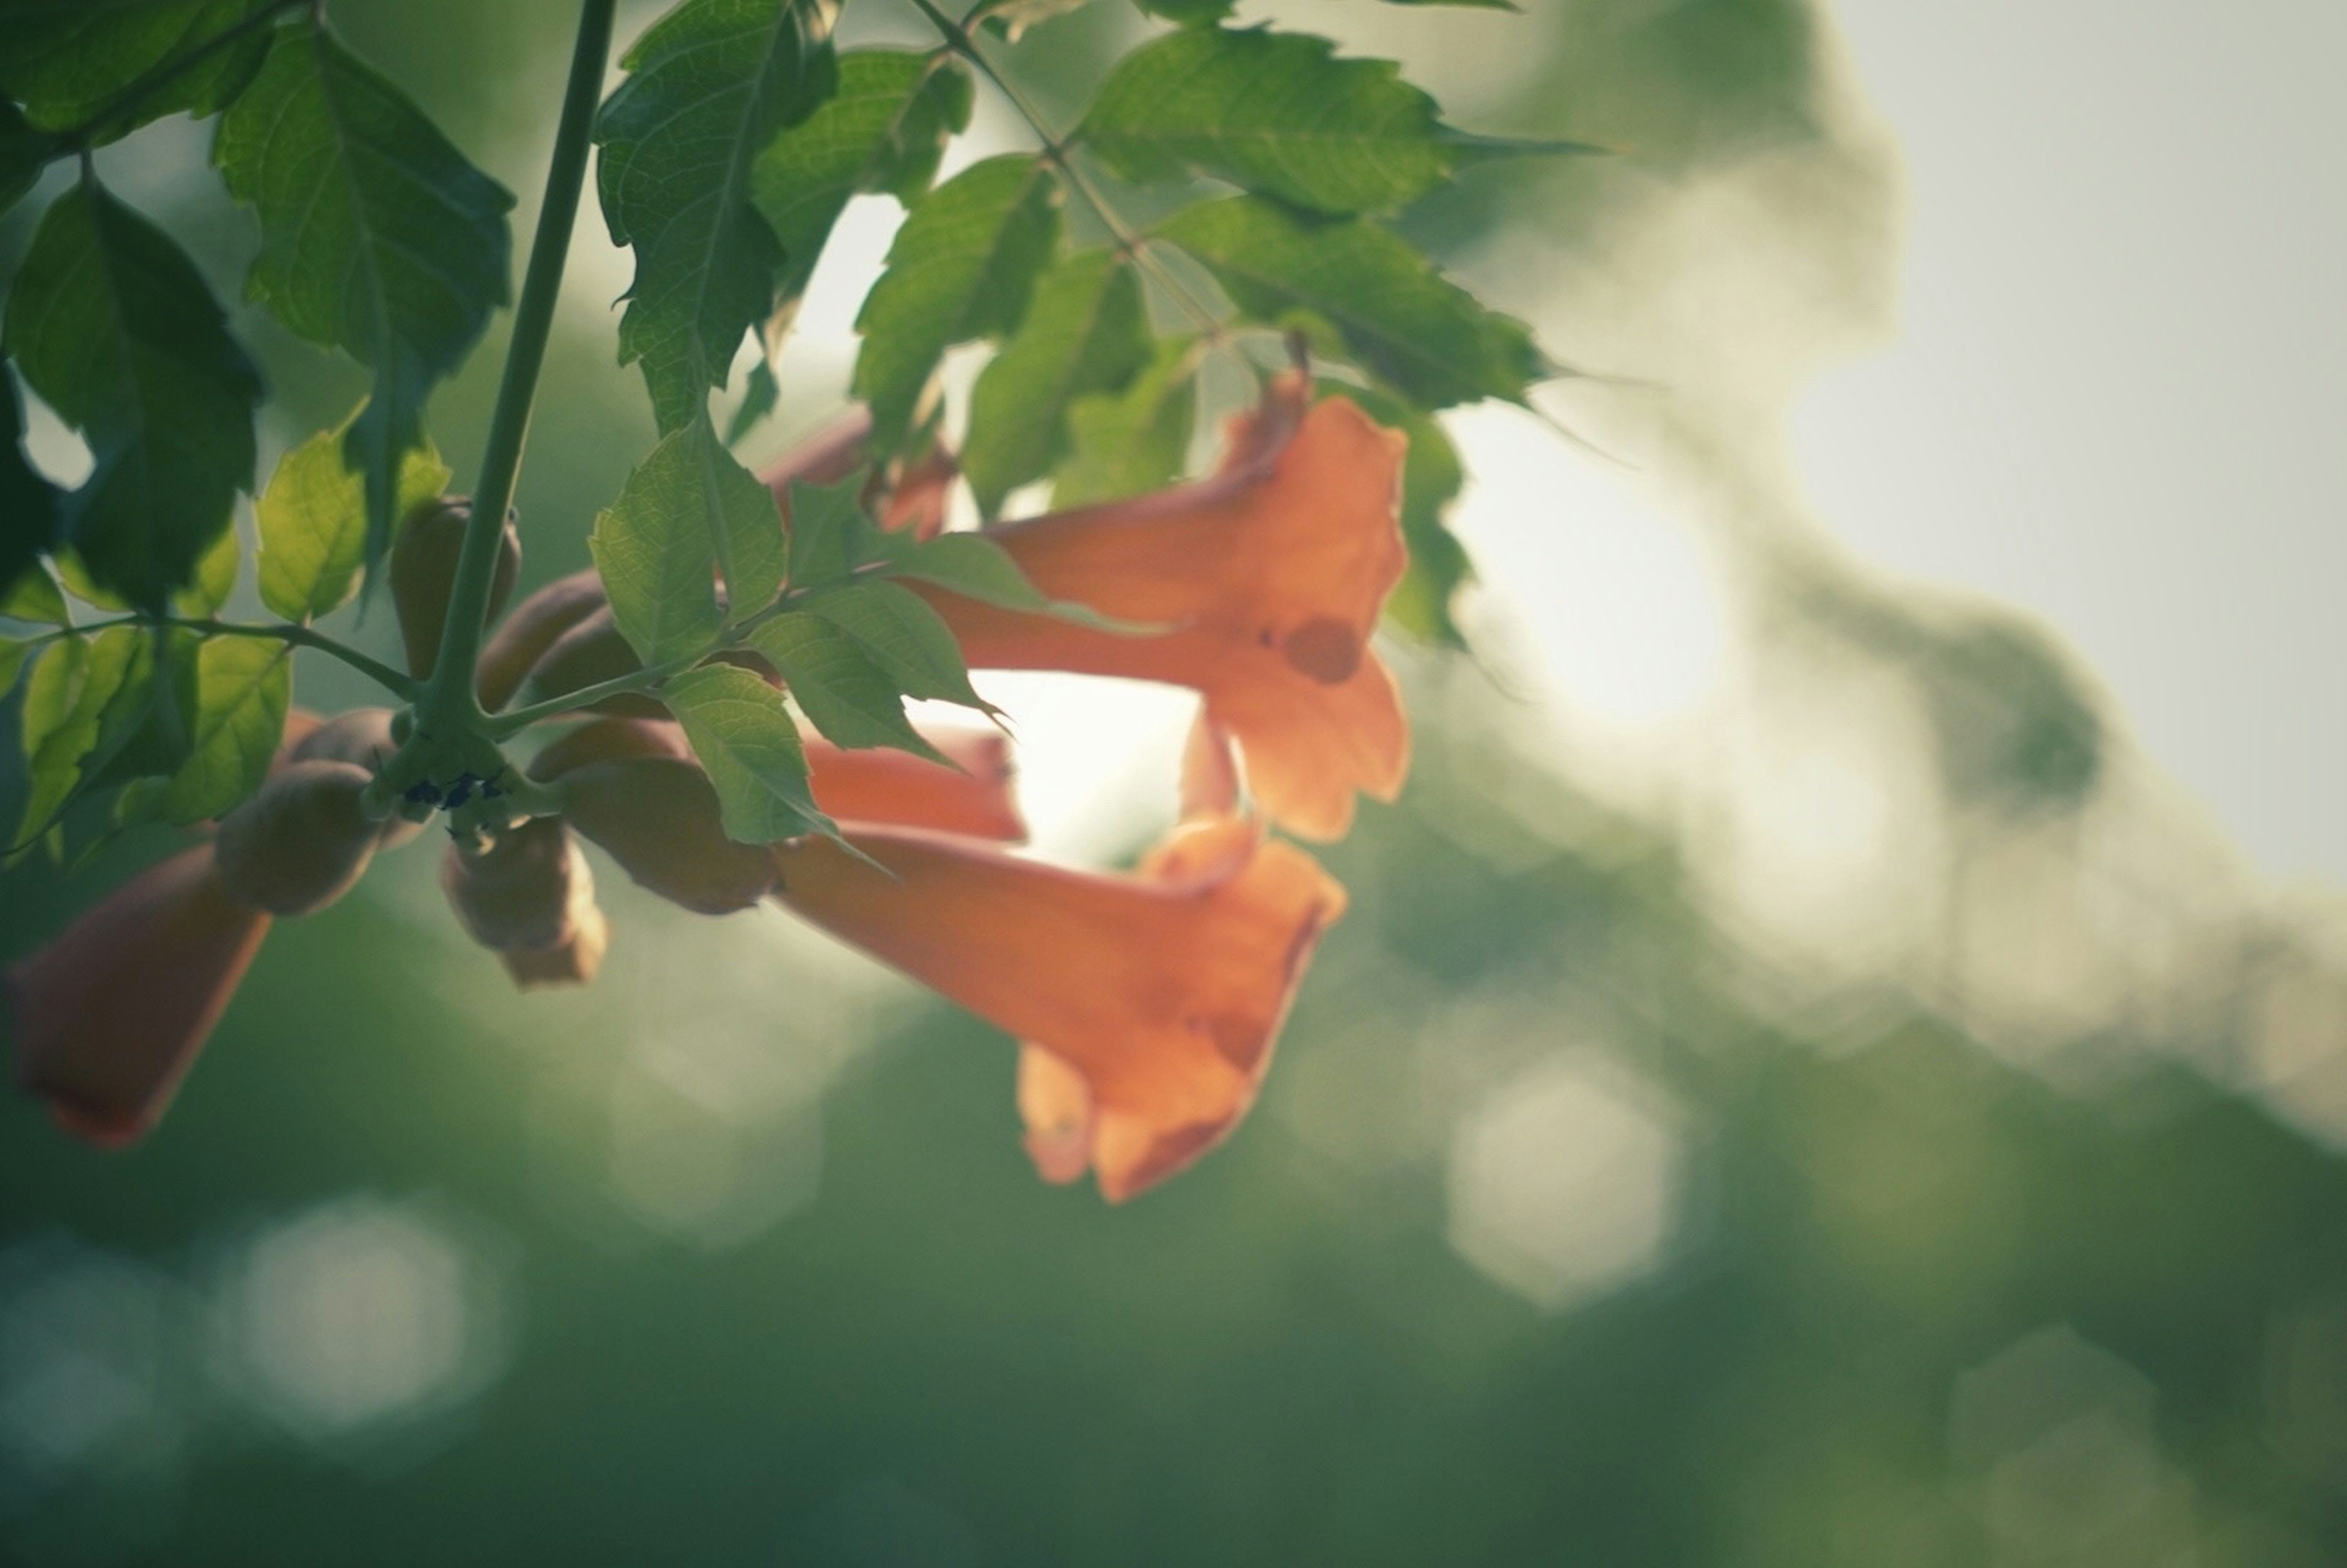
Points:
(975, 567)
(314, 522)
(29, 504)
(652, 549)
(1086, 332)
(215, 577)
(962, 267)
(759, 396)
(24, 153)
(1432, 478)
(749, 745)
(34, 597)
(1395, 314)
(14, 656)
(1272, 112)
(1189, 13)
(74, 689)
(145, 728)
(376, 238)
(709, 85)
(899, 631)
(843, 691)
(831, 533)
(69, 63)
(1464, 5)
(883, 130)
(1123, 443)
(243, 687)
(111, 323)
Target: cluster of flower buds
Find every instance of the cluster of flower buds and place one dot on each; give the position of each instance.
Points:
(1146, 1003)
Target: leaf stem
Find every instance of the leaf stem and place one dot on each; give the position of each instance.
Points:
(1059, 152)
(449, 696)
(398, 682)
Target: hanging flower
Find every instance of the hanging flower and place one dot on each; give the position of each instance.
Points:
(107, 1018)
(1270, 577)
(1150, 1002)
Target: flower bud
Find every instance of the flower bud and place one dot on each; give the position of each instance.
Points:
(515, 892)
(573, 963)
(423, 570)
(362, 738)
(523, 637)
(658, 816)
(301, 842)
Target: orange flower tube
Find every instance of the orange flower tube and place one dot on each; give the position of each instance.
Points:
(107, 1018)
(1154, 998)
(1271, 575)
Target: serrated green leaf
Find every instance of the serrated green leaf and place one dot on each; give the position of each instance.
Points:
(24, 151)
(313, 522)
(842, 691)
(961, 268)
(883, 130)
(215, 577)
(975, 567)
(1272, 112)
(1427, 337)
(79, 582)
(73, 688)
(376, 238)
(1432, 478)
(35, 597)
(1085, 333)
(831, 533)
(146, 727)
(243, 687)
(899, 631)
(70, 64)
(1123, 443)
(111, 323)
(749, 745)
(15, 654)
(655, 549)
(759, 392)
(29, 505)
(709, 85)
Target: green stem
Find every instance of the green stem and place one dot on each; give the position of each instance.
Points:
(398, 682)
(1057, 150)
(449, 698)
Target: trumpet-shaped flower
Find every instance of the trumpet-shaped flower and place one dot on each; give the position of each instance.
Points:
(1269, 577)
(107, 1018)
(1150, 1003)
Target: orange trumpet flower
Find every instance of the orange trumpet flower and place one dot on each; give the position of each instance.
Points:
(1150, 1003)
(1271, 576)
(107, 1018)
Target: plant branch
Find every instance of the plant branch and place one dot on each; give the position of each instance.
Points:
(450, 694)
(1059, 152)
(398, 682)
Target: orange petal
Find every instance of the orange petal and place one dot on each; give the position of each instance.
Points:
(1272, 574)
(1056, 1104)
(109, 1018)
(1163, 996)
(897, 789)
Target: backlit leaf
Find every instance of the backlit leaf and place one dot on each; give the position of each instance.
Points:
(841, 689)
(70, 64)
(899, 632)
(376, 236)
(709, 86)
(883, 130)
(1085, 333)
(749, 745)
(1123, 443)
(313, 519)
(654, 550)
(29, 505)
(961, 268)
(111, 323)
(243, 686)
(1393, 312)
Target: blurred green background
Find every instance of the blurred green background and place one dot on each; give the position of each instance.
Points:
(1830, 1102)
